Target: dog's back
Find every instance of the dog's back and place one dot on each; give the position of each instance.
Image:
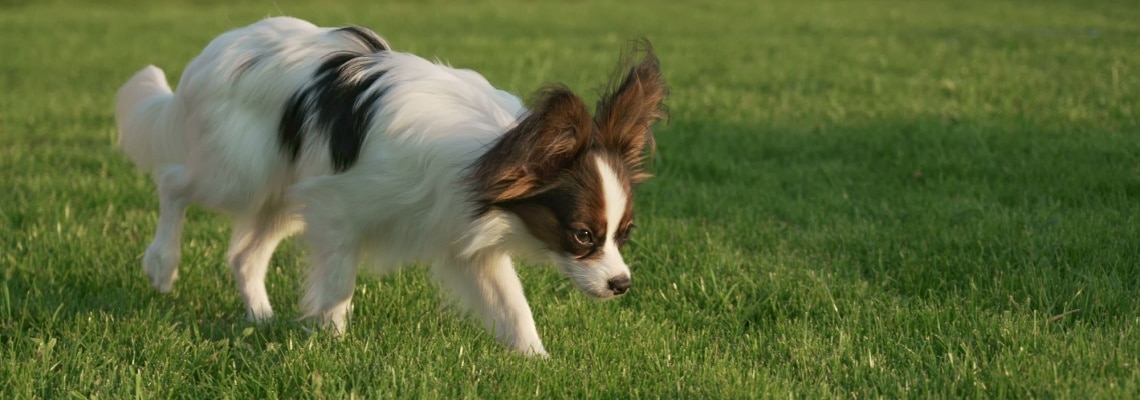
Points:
(254, 112)
(221, 123)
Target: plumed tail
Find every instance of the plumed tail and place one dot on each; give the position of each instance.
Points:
(150, 127)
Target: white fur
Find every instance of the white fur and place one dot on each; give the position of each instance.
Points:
(214, 143)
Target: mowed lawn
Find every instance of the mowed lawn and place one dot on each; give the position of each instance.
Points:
(853, 199)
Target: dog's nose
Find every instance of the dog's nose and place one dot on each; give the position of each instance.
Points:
(619, 285)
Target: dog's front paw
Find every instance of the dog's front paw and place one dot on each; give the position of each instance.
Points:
(334, 320)
(314, 326)
(259, 314)
(540, 353)
(529, 348)
(161, 267)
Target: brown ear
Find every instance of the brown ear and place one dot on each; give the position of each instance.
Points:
(628, 110)
(533, 153)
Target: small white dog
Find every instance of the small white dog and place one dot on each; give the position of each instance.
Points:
(385, 158)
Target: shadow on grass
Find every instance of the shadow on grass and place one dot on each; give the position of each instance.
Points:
(204, 305)
(44, 292)
(758, 224)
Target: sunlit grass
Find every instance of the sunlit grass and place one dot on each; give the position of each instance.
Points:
(853, 199)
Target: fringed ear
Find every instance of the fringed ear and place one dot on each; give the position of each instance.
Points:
(630, 107)
(533, 153)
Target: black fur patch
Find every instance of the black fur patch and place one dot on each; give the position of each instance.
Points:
(334, 106)
(370, 39)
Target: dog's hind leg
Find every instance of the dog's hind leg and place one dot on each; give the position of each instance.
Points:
(491, 288)
(254, 239)
(162, 256)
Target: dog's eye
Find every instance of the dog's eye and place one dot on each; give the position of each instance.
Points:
(584, 237)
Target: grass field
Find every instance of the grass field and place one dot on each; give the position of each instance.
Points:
(853, 199)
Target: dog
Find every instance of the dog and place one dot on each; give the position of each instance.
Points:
(383, 158)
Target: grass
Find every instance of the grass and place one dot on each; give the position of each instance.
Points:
(853, 199)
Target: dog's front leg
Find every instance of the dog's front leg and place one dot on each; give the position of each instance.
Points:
(490, 287)
(332, 278)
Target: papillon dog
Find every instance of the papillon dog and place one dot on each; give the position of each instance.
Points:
(382, 159)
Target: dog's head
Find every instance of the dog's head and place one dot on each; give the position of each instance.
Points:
(570, 177)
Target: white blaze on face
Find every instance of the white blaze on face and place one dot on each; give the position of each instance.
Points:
(615, 199)
(594, 274)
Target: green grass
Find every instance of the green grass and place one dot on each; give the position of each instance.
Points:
(853, 199)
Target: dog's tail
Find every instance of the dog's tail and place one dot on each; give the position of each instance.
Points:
(151, 128)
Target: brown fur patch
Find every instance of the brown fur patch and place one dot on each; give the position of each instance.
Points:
(628, 110)
(535, 152)
(573, 203)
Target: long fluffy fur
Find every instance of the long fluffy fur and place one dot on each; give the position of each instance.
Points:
(150, 135)
(376, 175)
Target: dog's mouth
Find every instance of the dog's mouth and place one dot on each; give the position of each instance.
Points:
(599, 294)
(600, 280)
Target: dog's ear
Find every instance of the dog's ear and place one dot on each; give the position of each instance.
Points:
(534, 152)
(629, 108)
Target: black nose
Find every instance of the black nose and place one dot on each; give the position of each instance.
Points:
(619, 285)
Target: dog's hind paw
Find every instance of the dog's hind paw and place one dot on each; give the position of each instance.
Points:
(161, 267)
